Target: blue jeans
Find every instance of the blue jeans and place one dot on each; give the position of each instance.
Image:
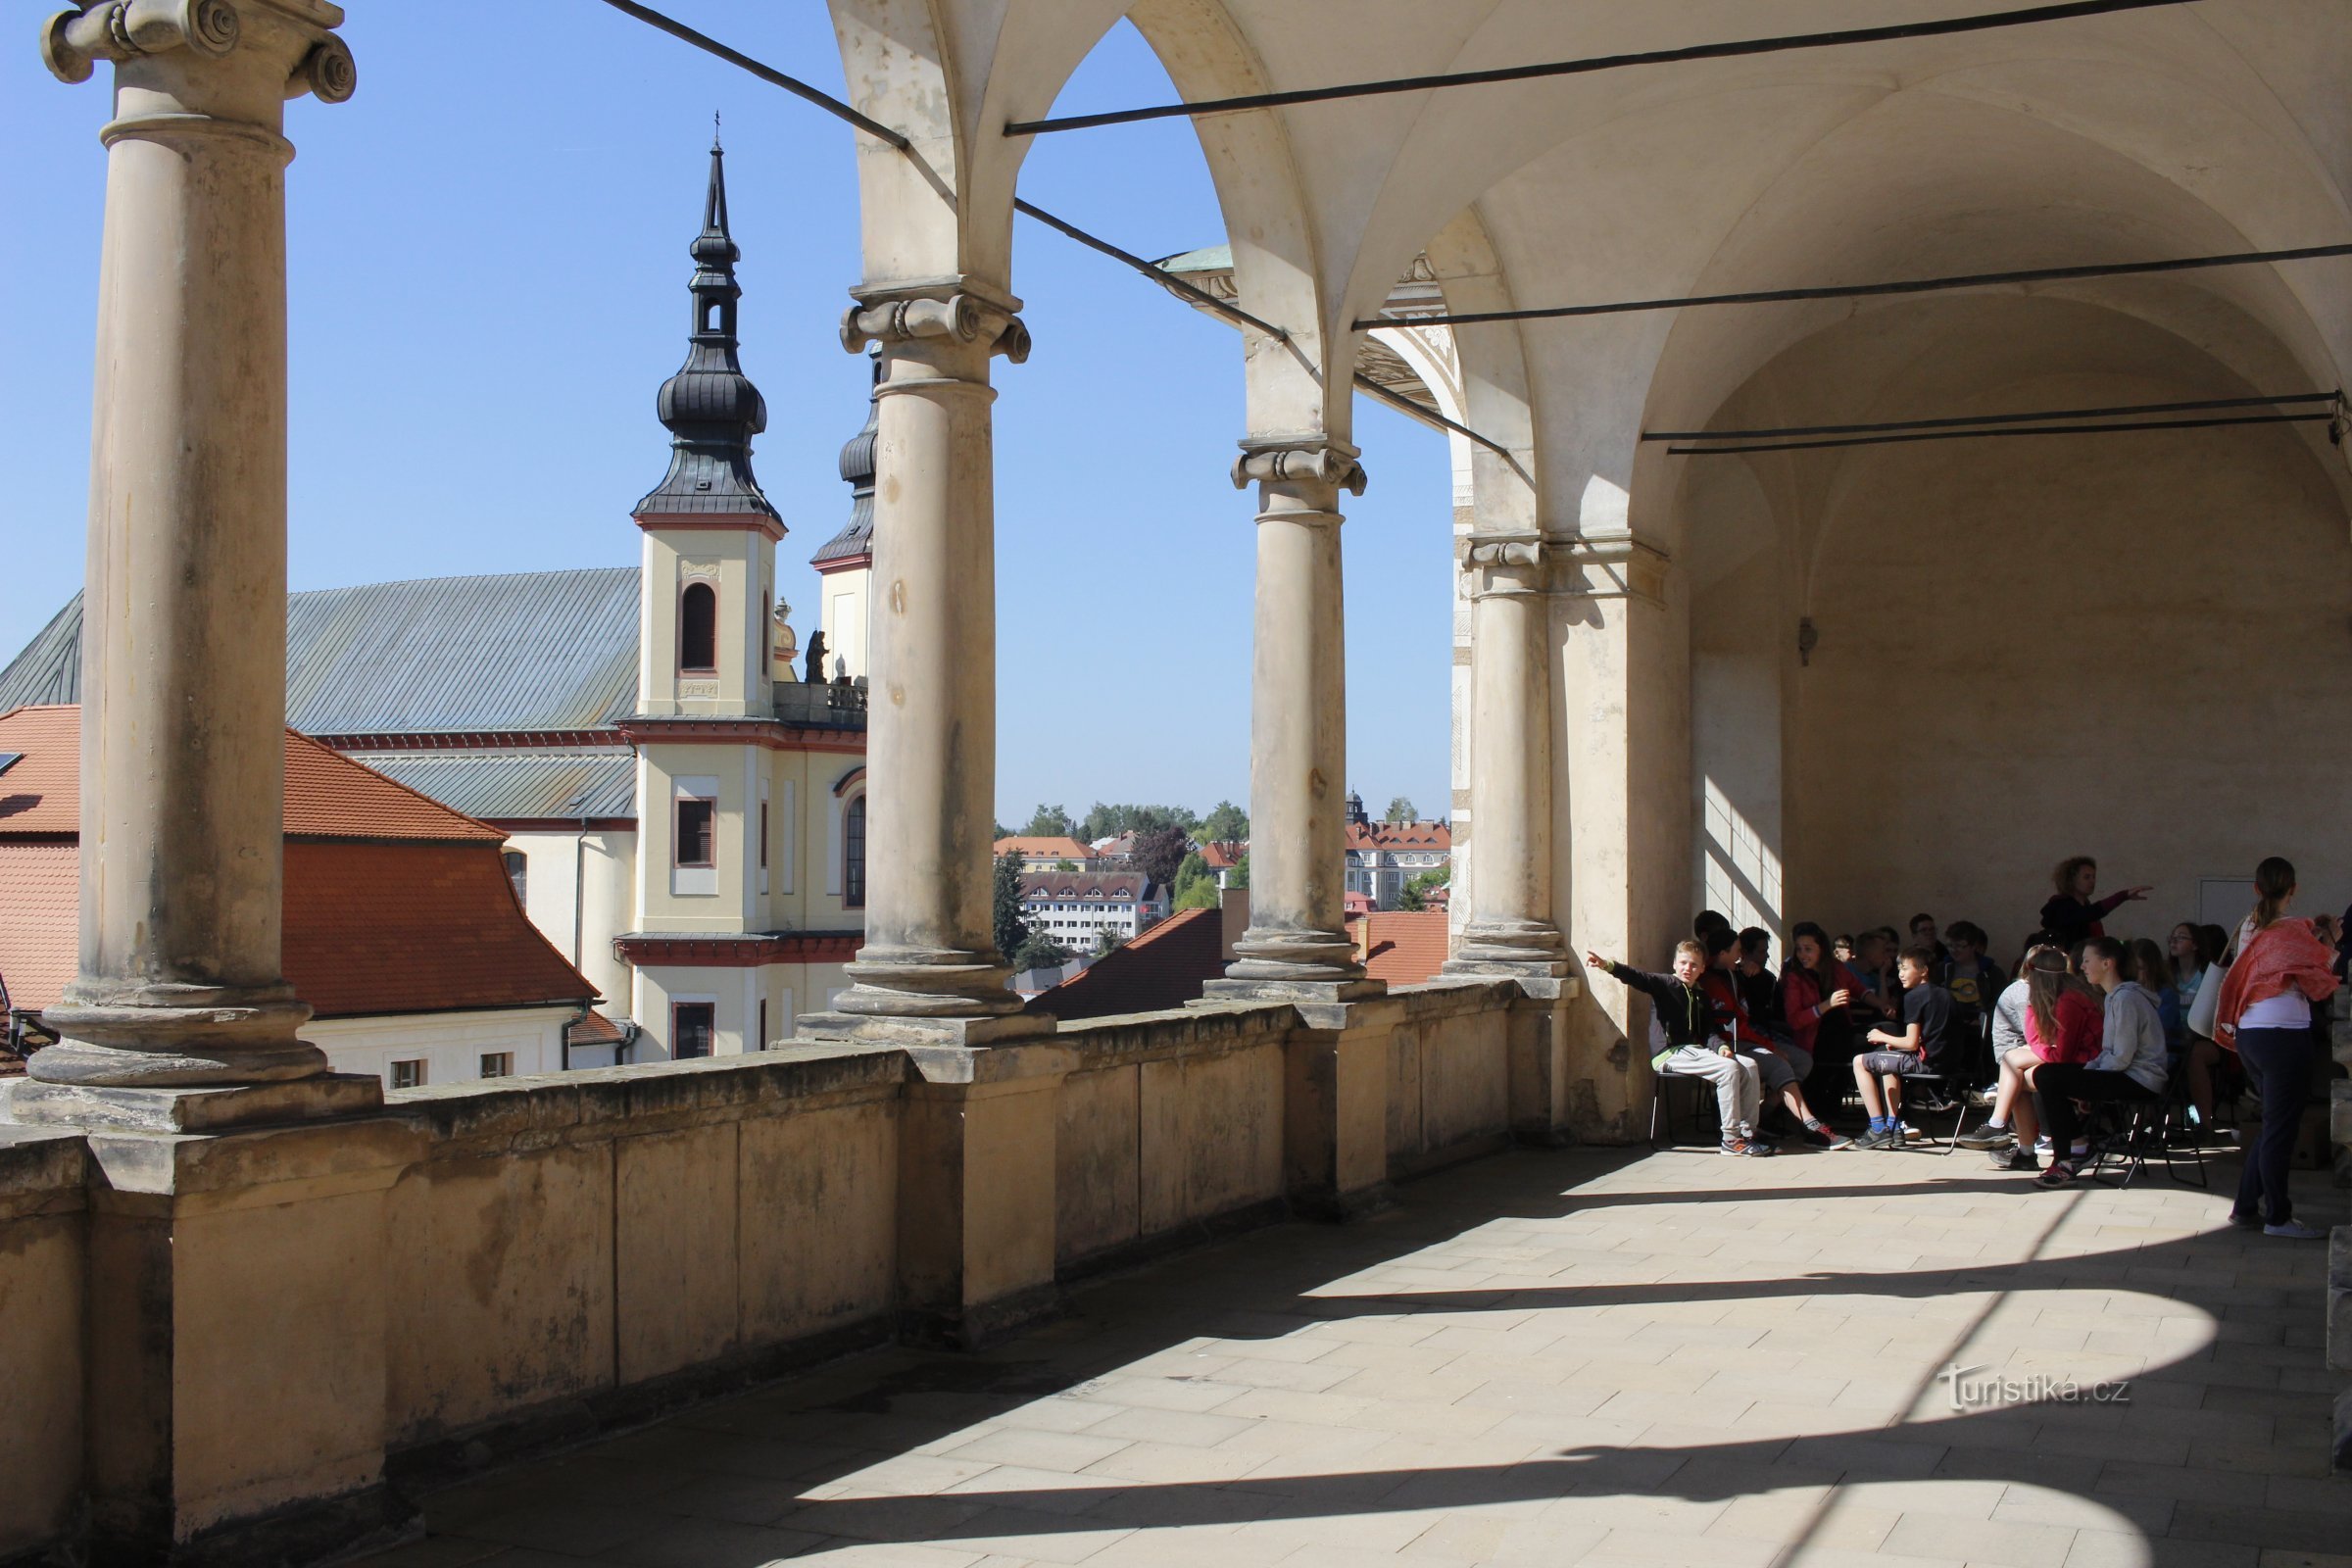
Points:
(2278, 1061)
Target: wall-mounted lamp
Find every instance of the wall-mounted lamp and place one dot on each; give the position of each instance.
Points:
(1807, 639)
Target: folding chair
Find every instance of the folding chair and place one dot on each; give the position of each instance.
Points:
(1702, 1104)
(1947, 1082)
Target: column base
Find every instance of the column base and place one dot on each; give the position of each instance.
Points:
(1516, 968)
(1239, 988)
(946, 983)
(193, 1109)
(1281, 955)
(175, 1036)
(961, 1033)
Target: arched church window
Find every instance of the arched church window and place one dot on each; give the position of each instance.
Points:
(853, 854)
(698, 628)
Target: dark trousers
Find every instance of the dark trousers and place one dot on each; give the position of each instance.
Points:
(2278, 1061)
(2061, 1084)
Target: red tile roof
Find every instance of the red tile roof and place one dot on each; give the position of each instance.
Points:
(1223, 854)
(1164, 967)
(1037, 848)
(1082, 885)
(40, 917)
(327, 794)
(1399, 836)
(1405, 946)
(393, 904)
(594, 1030)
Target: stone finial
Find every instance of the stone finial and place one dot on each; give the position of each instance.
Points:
(964, 317)
(1318, 461)
(74, 41)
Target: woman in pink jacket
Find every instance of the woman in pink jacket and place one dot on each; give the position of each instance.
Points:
(2283, 965)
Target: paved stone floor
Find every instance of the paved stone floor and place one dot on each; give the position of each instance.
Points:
(1548, 1359)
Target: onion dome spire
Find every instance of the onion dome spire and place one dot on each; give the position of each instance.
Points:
(709, 406)
(855, 544)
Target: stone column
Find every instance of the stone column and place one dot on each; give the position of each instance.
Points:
(1296, 945)
(1621, 820)
(929, 970)
(183, 646)
(1509, 927)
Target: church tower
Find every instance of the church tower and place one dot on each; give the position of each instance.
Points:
(750, 893)
(710, 535)
(845, 567)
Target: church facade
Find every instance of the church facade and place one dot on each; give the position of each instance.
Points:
(684, 813)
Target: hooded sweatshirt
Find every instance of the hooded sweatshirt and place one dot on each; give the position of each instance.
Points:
(2132, 1040)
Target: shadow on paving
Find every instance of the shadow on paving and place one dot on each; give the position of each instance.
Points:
(2196, 1476)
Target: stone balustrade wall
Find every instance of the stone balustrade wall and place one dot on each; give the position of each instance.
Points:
(511, 1263)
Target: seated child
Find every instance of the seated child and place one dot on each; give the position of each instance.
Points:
(1690, 1046)
(1923, 1044)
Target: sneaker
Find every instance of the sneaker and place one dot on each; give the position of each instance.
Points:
(1876, 1137)
(2041, 1145)
(1990, 1138)
(2015, 1159)
(1732, 1146)
(2294, 1230)
(1761, 1149)
(1985, 1098)
(1815, 1133)
(2059, 1174)
(2245, 1222)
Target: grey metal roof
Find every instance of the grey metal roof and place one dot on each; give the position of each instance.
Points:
(49, 669)
(534, 651)
(505, 785)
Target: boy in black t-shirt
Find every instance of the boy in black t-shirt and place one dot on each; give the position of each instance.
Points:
(1924, 1042)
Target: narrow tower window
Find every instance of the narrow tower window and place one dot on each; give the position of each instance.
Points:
(852, 859)
(697, 629)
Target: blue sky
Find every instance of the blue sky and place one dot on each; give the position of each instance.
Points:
(487, 250)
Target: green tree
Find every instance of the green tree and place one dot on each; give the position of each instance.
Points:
(1011, 928)
(1414, 895)
(1049, 822)
(1241, 872)
(1202, 895)
(1041, 952)
(1194, 867)
(1110, 821)
(1225, 823)
(1400, 810)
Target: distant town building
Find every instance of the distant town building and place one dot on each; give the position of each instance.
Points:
(1080, 910)
(1224, 857)
(1381, 857)
(1048, 852)
(400, 928)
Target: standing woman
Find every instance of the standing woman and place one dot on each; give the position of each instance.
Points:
(2071, 915)
(2283, 965)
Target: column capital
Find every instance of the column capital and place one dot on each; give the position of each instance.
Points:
(1569, 565)
(74, 40)
(1508, 563)
(962, 309)
(1299, 459)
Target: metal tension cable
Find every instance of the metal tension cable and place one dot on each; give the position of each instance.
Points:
(2328, 414)
(1573, 67)
(1200, 295)
(1915, 286)
(1956, 421)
